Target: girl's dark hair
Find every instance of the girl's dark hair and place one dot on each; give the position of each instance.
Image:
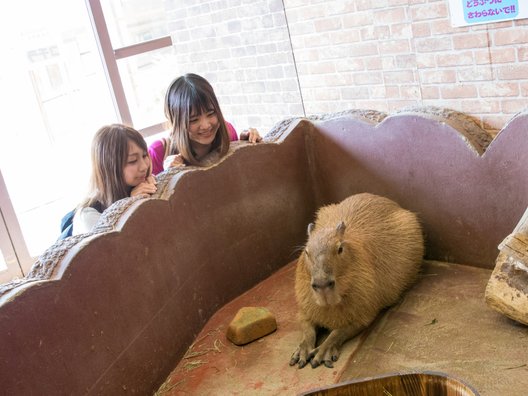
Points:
(192, 94)
(109, 157)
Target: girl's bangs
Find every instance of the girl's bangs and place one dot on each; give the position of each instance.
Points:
(199, 103)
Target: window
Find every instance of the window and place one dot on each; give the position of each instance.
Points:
(68, 73)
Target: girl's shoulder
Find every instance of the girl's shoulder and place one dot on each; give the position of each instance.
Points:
(157, 144)
(85, 219)
(232, 131)
(158, 150)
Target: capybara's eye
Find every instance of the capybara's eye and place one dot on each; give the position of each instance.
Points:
(340, 250)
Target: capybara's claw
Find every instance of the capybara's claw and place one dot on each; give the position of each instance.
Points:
(314, 363)
(294, 358)
(326, 355)
(301, 357)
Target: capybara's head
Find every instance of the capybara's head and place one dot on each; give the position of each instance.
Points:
(326, 255)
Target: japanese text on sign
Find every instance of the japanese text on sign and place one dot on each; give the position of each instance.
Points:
(489, 10)
(470, 12)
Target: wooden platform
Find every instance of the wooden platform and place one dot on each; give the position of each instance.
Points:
(215, 366)
(442, 324)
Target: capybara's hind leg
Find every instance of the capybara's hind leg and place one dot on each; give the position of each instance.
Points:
(305, 350)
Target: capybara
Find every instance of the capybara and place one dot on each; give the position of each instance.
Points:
(360, 256)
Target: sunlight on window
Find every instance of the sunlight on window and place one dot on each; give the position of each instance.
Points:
(145, 80)
(54, 96)
(145, 77)
(3, 265)
(132, 21)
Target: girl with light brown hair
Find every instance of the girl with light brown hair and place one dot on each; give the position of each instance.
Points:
(121, 168)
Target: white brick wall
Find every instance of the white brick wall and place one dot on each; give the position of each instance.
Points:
(267, 62)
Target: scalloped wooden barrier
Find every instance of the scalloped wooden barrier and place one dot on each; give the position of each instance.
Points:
(114, 311)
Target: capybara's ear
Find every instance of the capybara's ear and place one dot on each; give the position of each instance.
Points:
(340, 229)
(310, 228)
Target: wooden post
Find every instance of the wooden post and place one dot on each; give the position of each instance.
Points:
(507, 289)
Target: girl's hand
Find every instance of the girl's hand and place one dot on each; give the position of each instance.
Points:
(148, 187)
(151, 180)
(251, 134)
(172, 161)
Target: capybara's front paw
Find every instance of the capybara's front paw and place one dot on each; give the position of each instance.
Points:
(301, 356)
(326, 355)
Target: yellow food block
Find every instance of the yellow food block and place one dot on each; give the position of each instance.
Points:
(249, 324)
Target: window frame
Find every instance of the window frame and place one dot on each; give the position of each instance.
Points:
(111, 55)
(12, 244)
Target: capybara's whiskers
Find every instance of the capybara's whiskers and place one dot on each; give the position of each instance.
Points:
(297, 250)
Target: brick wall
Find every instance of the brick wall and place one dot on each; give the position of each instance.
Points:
(243, 49)
(269, 60)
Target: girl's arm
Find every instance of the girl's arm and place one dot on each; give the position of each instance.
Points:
(85, 220)
(157, 151)
(172, 161)
(233, 136)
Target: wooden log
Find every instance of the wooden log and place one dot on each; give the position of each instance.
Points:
(419, 383)
(507, 289)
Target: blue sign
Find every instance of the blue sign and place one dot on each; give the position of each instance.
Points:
(479, 11)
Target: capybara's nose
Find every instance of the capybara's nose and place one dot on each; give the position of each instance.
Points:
(321, 284)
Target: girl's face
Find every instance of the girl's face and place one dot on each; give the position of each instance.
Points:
(203, 127)
(137, 165)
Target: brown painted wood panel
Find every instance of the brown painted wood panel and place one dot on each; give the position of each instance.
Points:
(114, 311)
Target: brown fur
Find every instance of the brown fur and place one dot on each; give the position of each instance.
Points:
(361, 255)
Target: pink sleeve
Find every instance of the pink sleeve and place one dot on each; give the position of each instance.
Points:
(157, 152)
(232, 132)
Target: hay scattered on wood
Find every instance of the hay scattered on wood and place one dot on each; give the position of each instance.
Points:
(166, 387)
(516, 367)
(194, 364)
(216, 343)
(190, 354)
